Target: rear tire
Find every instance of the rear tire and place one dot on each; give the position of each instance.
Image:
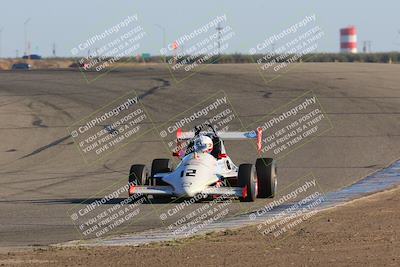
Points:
(247, 180)
(266, 177)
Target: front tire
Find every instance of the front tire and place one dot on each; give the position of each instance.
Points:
(138, 175)
(247, 180)
(160, 166)
(267, 177)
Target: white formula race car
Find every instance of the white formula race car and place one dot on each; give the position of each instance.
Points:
(206, 170)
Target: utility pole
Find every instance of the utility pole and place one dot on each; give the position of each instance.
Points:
(219, 29)
(26, 36)
(54, 50)
(396, 40)
(1, 31)
(164, 41)
(367, 46)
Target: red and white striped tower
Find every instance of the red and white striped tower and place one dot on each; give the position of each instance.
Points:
(348, 40)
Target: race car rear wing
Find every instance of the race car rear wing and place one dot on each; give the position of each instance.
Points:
(256, 134)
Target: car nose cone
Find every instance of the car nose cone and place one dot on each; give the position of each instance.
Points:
(187, 189)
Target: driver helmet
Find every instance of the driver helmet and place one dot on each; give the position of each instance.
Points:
(203, 144)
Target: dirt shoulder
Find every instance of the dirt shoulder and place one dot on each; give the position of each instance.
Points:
(6, 64)
(365, 232)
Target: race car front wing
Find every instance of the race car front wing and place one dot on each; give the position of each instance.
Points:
(169, 190)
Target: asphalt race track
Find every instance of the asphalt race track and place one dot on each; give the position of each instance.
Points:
(43, 176)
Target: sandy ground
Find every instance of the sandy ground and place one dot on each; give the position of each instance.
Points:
(364, 232)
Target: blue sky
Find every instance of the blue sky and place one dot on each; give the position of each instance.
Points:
(68, 23)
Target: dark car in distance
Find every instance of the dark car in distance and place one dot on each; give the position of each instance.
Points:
(21, 66)
(33, 56)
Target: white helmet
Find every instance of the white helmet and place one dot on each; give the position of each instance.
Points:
(203, 144)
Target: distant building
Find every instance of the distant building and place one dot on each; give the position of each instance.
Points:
(348, 40)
